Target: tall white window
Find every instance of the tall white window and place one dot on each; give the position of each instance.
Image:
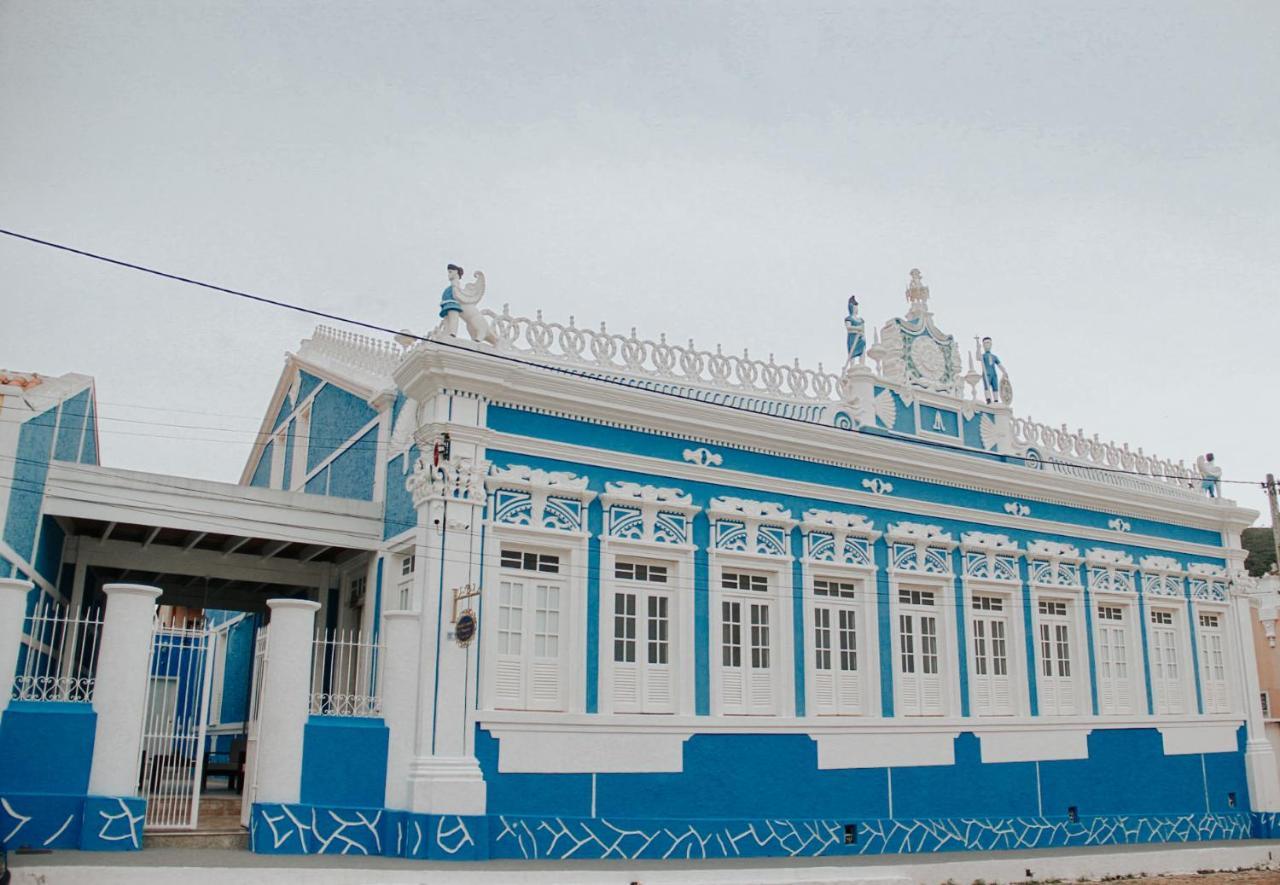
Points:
(837, 661)
(1213, 665)
(1166, 669)
(404, 583)
(528, 660)
(1055, 678)
(990, 689)
(642, 608)
(748, 633)
(919, 653)
(1115, 660)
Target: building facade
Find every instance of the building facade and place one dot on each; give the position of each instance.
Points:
(626, 598)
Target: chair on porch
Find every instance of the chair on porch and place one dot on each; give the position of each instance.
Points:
(229, 764)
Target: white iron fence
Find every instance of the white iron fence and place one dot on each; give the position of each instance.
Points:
(255, 708)
(344, 679)
(60, 655)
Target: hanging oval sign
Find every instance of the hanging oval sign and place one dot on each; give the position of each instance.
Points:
(465, 628)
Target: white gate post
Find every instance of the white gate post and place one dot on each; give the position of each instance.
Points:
(13, 608)
(120, 688)
(398, 685)
(285, 701)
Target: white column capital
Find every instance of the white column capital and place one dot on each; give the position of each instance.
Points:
(288, 605)
(16, 584)
(116, 591)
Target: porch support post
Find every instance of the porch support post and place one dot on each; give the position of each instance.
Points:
(120, 688)
(13, 607)
(285, 700)
(400, 640)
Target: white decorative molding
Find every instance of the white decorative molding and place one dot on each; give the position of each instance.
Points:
(877, 486)
(918, 532)
(1120, 525)
(1110, 571)
(372, 360)
(460, 479)
(1160, 564)
(739, 525)
(838, 537)
(1103, 557)
(881, 749)
(703, 457)
(1039, 745)
(528, 496)
(1161, 576)
(989, 557)
(1017, 508)
(921, 548)
(653, 514)
(1211, 583)
(1053, 564)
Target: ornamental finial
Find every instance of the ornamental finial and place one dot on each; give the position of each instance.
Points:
(917, 295)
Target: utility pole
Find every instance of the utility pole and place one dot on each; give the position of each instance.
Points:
(1275, 516)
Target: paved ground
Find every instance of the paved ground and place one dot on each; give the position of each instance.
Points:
(1242, 877)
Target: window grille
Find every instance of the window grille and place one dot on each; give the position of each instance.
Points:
(343, 674)
(58, 659)
(827, 587)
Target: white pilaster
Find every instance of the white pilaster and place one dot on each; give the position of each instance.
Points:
(445, 777)
(1259, 757)
(285, 701)
(399, 685)
(13, 607)
(120, 687)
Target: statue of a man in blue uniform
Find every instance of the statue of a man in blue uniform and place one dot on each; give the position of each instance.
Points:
(990, 381)
(855, 333)
(459, 302)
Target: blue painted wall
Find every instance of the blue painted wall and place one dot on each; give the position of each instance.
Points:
(399, 514)
(71, 427)
(46, 747)
(344, 761)
(262, 473)
(35, 442)
(336, 416)
(351, 473)
(235, 678)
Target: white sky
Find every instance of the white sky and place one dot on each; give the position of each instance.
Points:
(1096, 188)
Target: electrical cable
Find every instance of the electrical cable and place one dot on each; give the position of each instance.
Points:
(595, 376)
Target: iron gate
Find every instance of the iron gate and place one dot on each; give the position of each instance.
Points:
(174, 722)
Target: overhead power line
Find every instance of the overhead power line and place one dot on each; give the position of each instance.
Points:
(591, 376)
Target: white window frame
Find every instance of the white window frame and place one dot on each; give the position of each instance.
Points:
(1078, 645)
(1176, 607)
(278, 479)
(679, 587)
(867, 630)
(782, 636)
(1010, 596)
(943, 589)
(1231, 694)
(571, 547)
(1133, 648)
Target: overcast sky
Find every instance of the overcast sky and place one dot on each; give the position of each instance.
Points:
(1097, 188)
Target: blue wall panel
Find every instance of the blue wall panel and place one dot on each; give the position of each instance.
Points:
(318, 484)
(344, 761)
(1126, 773)
(35, 441)
(351, 473)
(49, 550)
(235, 678)
(46, 747)
(306, 383)
(89, 453)
(71, 427)
(399, 514)
(336, 416)
(262, 473)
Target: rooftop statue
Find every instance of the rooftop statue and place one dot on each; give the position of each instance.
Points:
(996, 389)
(855, 334)
(463, 301)
(1210, 474)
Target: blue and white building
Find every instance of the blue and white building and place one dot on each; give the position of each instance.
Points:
(599, 596)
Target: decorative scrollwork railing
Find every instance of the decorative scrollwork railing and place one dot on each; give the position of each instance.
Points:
(353, 349)
(344, 674)
(604, 351)
(60, 659)
(1077, 454)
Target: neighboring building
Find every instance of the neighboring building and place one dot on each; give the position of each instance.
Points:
(720, 606)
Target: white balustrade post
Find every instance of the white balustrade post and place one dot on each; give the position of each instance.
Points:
(398, 685)
(13, 608)
(285, 701)
(120, 687)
